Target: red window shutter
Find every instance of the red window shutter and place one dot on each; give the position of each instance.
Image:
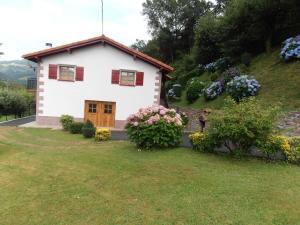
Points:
(139, 81)
(79, 73)
(52, 71)
(115, 76)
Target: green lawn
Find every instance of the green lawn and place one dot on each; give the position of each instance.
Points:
(51, 177)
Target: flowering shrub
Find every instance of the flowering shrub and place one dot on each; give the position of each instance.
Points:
(194, 90)
(229, 74)
(175, 92)
(241, 87)
(102, 134)
(201, 142)
(196, 139)
(294, 154)
(291, 48)
(213, 91)
(184, 118)
(221, 65)
(273, 144)
(211, 67)
(171, 94)
(155, 126)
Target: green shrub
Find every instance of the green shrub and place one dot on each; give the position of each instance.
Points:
(223, 64)
(66, 121)
(200, 69)
(177, 90)
(186, 77)
(88, 129)
(246, 59)
(241, 126)
(214, 77)
(169, 84)
(76, 127)
(155, 127)
(184, 118)
(194, 90)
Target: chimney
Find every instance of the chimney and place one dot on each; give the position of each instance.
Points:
(49, 45)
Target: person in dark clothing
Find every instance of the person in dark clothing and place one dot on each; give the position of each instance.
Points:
(202, 121)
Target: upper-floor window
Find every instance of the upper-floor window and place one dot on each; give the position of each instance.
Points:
(67, 72)
(127, 78)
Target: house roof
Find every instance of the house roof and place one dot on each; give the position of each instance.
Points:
(35, 56)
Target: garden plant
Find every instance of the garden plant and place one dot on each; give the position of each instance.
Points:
(155, 127)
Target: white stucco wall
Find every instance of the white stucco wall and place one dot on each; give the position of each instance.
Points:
(61, 97)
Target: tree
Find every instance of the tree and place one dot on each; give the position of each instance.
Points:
(250, 26)
(208, 37)
(15, 102)
(220, 6)
(171, 23)
(139, 45)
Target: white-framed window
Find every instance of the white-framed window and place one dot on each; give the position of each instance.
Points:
(127, 77)
(66, 72)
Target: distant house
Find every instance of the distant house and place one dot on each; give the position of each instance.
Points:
(97, 79)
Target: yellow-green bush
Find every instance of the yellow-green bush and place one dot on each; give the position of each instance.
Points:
(196, 138)
(102, 134)
(294, 154)
(202, 142)
(274, 144)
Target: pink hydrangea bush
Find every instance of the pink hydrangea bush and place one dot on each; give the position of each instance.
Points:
(155, 126)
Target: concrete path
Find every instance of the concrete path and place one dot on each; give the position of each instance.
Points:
(18, 122)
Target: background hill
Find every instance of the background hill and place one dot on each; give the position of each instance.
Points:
(16, 71)
(280, 83)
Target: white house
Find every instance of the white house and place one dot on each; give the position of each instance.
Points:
(97, 79)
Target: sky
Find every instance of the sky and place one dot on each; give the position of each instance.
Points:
(26, 25)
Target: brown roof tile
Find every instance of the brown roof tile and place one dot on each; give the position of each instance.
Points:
(35, 56)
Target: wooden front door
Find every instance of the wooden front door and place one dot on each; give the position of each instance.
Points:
(101, 114)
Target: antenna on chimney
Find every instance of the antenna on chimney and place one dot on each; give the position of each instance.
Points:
(102, 17)
(49, 45)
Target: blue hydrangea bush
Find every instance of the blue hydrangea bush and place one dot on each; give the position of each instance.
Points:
(171, 94)
(291, 48)
(211, 67)
(219, 65)
(213, 91)
(242, 87)
(175, 92)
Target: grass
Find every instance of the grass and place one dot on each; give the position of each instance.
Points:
(51, 177)
(280, 83)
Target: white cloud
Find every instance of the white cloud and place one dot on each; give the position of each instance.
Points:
(27, 28)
